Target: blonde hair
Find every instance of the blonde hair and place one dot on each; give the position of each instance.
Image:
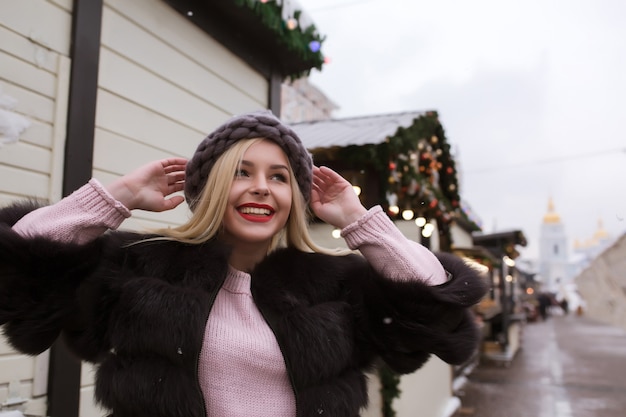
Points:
(206, 220)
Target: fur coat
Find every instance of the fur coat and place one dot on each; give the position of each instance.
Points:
(138, 310)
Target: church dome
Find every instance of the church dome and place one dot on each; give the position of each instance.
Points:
(601, 233)
(551, 216)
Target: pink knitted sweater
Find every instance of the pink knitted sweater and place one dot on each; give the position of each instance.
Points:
(241, 369)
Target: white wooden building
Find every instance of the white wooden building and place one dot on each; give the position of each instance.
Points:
(97, 88)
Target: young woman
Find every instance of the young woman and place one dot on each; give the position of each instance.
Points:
(236, 312)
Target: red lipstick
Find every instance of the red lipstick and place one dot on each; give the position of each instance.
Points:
(258, 213)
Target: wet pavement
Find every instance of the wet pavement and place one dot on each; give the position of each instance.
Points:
(568, 366)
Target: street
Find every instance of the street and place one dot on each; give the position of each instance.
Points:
(569, 366)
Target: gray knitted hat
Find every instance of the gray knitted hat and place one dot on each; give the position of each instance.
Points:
(260, 124)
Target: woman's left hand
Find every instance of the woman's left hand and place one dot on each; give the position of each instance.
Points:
(333, 199)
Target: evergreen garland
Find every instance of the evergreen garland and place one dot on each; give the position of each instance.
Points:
(296, 40)
(416, 167)
(389, 390)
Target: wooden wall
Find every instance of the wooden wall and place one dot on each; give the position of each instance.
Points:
(34, 72)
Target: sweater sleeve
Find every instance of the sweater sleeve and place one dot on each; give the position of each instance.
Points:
(78, 218)
(389, 252)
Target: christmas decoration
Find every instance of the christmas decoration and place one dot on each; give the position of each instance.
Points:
(314, 46)
(289, 31)
(389, 389)
(415, 166)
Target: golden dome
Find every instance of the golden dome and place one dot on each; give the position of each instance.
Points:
(551, 216)
(600, 233)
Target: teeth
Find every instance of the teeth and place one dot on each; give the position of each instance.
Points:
(254, 210)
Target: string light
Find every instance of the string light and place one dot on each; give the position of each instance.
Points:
(314, 46)
(510, 262)
(407, 214)
(292, 23)
(428, 229)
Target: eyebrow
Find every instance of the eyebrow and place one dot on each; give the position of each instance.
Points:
(274, 166)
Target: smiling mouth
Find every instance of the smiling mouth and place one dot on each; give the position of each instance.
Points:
(256, 214)
(255, 211)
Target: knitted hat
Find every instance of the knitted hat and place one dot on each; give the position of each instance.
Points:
(260, 124)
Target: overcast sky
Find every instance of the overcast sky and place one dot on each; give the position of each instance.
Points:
(531, 94)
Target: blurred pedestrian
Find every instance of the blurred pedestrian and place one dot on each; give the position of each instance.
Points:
(545, 301)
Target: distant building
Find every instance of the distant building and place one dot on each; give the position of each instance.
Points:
(555, 267)
(303, 102)
(589, 249)
(597, 268)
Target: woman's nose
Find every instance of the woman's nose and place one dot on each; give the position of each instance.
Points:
(260, 186)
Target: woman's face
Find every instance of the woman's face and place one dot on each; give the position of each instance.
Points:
(259, 201)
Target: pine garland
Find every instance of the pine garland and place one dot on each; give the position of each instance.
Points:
(389, 390)
(296, 39)
(416, 166)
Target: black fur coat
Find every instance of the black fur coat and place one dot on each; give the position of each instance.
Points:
(139, 312)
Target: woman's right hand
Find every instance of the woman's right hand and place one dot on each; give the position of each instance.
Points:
(148, 187)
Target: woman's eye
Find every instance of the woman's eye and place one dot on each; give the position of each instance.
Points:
(241, 173)
(279, 177)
